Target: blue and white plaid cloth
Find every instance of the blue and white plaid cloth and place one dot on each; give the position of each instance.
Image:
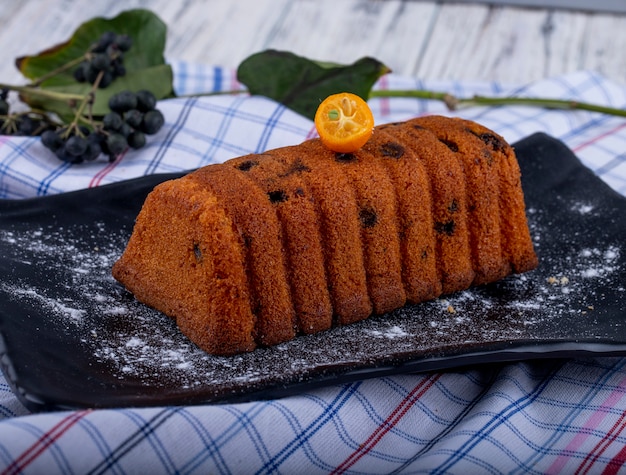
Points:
(532, 417)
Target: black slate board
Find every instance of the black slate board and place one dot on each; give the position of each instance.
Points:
(71, 337)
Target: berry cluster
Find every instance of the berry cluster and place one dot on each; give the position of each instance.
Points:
(105, 60)
(132, 117)
(24, 123)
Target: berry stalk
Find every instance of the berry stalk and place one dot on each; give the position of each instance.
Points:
(54, 95)
(455, 103)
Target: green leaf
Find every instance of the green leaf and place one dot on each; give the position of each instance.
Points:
(144, 27)
(144, 62)
(301, 84)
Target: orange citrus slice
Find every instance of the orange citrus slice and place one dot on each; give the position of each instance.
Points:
(344, 122)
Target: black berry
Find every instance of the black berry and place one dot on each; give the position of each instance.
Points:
(152, 122)
(123, 42)
(103, 42)
(112, 121)
(79, 74)
(106, 79)
(136, 139)
(145, 101)
(26, 125)
(116, 144)
(101, 61)
(51, 140)
(76, 146)
(94, 150)
(133, 118)
(123, 101)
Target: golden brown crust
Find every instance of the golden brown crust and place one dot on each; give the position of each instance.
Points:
(482, 181)
(261, 237)
(215, 312)
(337, 209)
(267, 246)
(416, 232)
(449, 199)
(293, 202)
(376, 221)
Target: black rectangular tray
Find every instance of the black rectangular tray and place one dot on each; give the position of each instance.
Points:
(72, 337)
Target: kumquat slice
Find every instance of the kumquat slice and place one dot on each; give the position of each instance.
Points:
(344, 122)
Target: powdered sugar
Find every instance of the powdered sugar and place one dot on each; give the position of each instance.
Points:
(393, 331)
(57, 307)
(582, 208)
(63, 277)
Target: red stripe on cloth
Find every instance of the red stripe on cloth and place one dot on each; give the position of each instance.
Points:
(602, 445)
(614, 399)
(312, 133)
(98, 177)
(395, 416)
(235, 85)
(46, 440)
(616, 463)
(598, 138)
(385, 107)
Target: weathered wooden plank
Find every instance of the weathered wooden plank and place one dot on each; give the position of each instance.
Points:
(618, 6)
(406, 36)
(428, 39)
(519, 45)
(603, 46)
(488, 43)
(346, 30)
(221, 32)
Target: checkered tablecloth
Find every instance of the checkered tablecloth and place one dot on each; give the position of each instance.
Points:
(549, 416)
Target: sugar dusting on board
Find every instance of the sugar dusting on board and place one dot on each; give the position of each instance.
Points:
(74, 288)
(88, 302)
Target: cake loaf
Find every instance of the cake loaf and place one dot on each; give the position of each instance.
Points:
(262, 248)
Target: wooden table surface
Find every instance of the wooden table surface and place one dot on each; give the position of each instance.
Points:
(425, 39)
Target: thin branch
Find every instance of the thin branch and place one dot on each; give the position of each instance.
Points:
(454, 103)
(87, 100)
(65, 67)
(214, 93)
(55, 95)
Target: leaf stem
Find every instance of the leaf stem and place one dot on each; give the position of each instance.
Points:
(213, 93)
(454, 103)
(87, 99)
(60, 69)
(59, 96)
